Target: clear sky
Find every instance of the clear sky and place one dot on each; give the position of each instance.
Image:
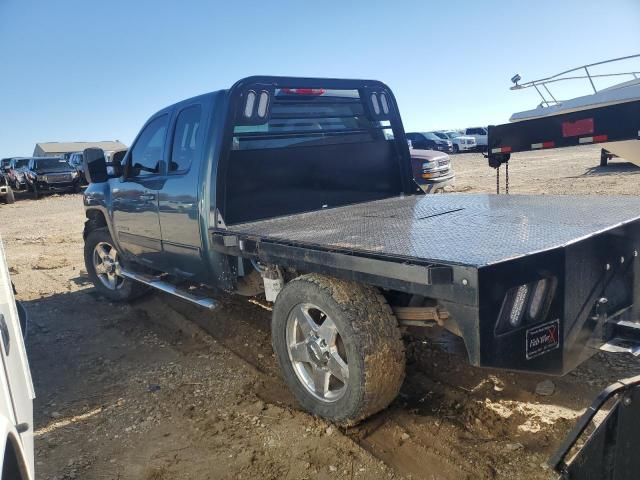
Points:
(75, 70)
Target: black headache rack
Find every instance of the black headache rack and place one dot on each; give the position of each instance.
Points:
(608, 452)
(484, 258)
(612, 123)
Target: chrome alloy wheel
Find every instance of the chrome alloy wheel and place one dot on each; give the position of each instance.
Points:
(105, 263)
(317, 352)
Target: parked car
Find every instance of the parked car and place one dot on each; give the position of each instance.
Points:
(51, 174)
(16, 387)
(461, 143)
(480, 134)
(16, 176)
(431, 170)
(430, 141)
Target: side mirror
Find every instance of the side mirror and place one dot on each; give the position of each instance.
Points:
(95, 165)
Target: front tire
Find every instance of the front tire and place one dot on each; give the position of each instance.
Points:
(102, 262)
(339, 347)
(456, 148)
(604, 157)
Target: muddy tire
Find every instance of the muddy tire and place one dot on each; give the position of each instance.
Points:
(339, 347)
(101, 260)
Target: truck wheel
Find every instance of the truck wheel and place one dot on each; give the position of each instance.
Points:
(456, 148)
(34, 192)
(339, 347)
(101, 260)
(10, 197)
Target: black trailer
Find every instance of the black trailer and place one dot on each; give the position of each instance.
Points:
(606, 116)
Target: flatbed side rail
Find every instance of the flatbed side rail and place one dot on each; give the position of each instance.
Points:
(441, 281)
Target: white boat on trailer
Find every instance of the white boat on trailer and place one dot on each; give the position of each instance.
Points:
(625, 92)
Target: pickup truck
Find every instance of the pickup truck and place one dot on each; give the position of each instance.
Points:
(301, 190)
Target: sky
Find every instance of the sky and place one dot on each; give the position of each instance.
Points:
(83, 70)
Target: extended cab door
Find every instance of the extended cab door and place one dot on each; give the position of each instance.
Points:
(180, 195)
(135, 195)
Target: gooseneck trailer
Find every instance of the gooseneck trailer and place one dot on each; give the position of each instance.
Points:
(301, 190)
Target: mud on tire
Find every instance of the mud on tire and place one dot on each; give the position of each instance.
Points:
(370, 339)
(128, 289)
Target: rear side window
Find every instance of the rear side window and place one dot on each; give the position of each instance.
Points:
(186, 139)
(148, 152)
(312, 117)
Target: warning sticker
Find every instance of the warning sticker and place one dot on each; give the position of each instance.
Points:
(543, 339)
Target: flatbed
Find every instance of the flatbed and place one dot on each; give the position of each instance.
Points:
(472, 230)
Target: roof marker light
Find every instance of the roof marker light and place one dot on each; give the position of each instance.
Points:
(384, 102)
(263, 101)
(248, 106)
(374, 102)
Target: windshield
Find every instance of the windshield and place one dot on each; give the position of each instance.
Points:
(452, 134)
(54, 164)
(441, 135)
(21, 163)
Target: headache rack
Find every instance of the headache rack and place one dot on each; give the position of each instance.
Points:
(606, 115)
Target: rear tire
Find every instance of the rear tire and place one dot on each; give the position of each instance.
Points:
(366, 338)
(122, 289)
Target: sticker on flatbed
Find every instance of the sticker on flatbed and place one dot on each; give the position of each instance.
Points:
(543, 339)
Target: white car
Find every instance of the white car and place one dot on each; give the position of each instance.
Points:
(16, 387)
(480, 134)
(461, 143)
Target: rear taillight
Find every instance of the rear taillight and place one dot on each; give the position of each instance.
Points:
(526, 304)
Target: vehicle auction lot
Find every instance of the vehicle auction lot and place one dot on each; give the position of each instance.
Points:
(161, 390)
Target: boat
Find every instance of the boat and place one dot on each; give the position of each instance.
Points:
(598, 100)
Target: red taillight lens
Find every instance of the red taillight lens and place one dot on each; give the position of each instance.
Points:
(303, 91)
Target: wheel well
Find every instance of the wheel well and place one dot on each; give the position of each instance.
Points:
(95, 219)
(12, 468)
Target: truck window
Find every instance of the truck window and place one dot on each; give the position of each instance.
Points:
(186, 139)
(148, 152)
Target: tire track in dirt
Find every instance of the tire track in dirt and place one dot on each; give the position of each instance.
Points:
(434, 430)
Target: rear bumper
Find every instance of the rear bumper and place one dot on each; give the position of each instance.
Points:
(595, 305)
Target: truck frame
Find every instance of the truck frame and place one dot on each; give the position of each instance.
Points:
(301, 190)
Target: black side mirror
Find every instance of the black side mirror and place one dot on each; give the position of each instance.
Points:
(95, 165)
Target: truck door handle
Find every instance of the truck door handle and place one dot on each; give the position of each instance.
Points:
(148, 196)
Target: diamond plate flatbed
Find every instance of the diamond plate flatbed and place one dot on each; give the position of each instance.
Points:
(474, 230)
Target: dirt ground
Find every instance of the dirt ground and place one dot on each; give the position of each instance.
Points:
(160, 390)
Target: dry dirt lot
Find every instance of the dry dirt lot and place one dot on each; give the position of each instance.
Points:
(160, 390)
